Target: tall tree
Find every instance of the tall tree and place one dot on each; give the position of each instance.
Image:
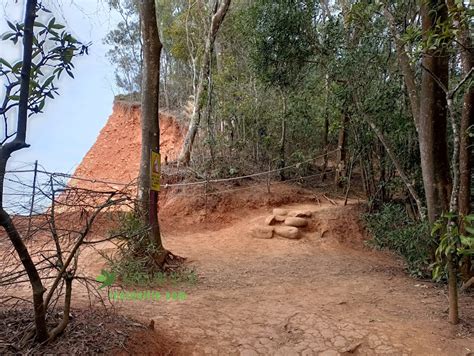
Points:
(463, 36)
(406, 66)
(219, 12)
(433, 111)
(150, 124)
(5, 152)
(432, 129)
(46, 52)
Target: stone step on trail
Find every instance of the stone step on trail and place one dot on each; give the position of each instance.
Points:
(280, 212)
(296, 222)
(283, 223)
(289, 232)
(262, 232)
(300, 214)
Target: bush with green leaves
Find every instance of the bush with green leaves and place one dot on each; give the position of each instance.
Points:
(133, 261)
(392, 229)
(453, 242)
(135, 252)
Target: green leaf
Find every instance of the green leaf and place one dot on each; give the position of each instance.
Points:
(436, 272)
(12, 26)
(469, 229)
(467, 241)
(14, 97)
(51, 22)
(58, 26)
(17, 67)
(449, 215)
(469, 218)
(8, 36)
(101, 278)
(5, 63)
(466, 252)
(48, 81)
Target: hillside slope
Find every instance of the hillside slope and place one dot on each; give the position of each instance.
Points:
(115, 156)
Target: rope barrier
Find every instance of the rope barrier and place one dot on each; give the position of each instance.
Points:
(172, 185)
(250, 175)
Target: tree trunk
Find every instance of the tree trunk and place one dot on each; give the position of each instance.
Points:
(283, 140)
(218, 16)
(341, 154)
(5, 152)
(432, 132)
(326, 126)
(467, 120)
(165, 83)
(150, 121)
(398, 167)
(406, 68)
(433, 116)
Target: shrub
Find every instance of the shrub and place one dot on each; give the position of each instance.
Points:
(133, 261)
(392, 229)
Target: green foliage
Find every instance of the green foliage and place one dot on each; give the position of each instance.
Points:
(53, 52)
(125, 41)
(284, 39)
(392, 229)
(106, 278)
(133, 261)
(452, 243)
(135, 250)
(160, 279)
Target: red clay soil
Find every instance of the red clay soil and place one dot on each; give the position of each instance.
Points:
(324, 294)
(115, 156)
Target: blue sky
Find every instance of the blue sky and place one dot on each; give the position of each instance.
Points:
(63, 134)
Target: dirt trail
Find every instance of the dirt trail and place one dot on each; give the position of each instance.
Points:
(322, 295)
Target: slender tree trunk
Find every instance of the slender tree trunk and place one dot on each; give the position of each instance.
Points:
(433, 116)
(210, 130)
(283, 139)
(467, 120)
(453, 291)
(326, 126)
(406, 68)
(165, 82)
(150, 121)
(398, 167)
(218, 16)
(67, 309)
(342, 146)
(6, 150)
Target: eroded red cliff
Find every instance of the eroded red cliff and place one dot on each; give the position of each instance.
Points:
(115, 156)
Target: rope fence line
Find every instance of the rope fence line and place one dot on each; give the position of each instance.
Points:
(171, 185)
(24, 194)
(296, 165)
(253, 187)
